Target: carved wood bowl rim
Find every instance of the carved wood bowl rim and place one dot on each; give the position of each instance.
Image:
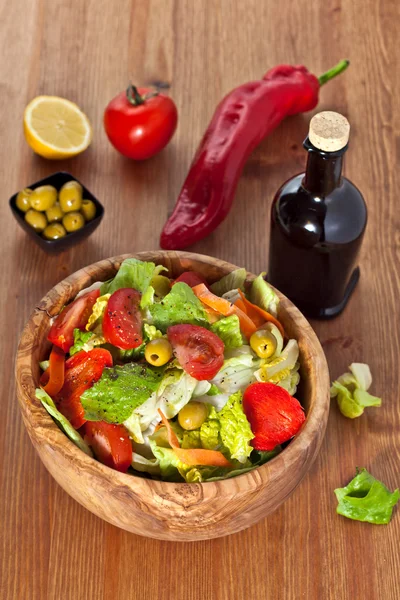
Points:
(182, 499)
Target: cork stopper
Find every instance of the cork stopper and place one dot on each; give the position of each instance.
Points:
(329, 131)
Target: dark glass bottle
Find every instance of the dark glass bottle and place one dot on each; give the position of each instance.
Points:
(318, 221)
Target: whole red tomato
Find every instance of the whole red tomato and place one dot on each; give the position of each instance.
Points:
(140, 122)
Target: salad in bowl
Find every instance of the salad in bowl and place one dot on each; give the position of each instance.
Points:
(174, 379)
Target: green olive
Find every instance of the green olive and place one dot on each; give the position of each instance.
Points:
(36, 219)
(263, 343)
(158, 352)
(192, 415)
(70, 196)
(23, 199)
(54, 231)
(88, 209)
(43, 197)
(73, 221)
(54, 213)
(161, 285)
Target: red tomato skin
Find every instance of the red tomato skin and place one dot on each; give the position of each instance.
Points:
(200, 352)
(139, 132)
(110, 443)
(73, 316)
(191, 278)
(82, 370)
(122, 322)
(274, 415)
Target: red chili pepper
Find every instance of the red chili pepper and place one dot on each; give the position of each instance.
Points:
(241, 121)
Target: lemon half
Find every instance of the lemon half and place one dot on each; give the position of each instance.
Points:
(56, 128)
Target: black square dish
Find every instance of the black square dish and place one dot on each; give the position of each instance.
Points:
(54, 246)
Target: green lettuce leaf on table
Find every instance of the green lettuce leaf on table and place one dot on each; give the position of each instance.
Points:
(228, 329)
(179, 306)
(62, 421)
(133, 273)
(233, 281)
(366, 499)
(119, 391)
(262, 294)
(351, 391)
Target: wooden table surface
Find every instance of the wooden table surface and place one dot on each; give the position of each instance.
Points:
(52, 548)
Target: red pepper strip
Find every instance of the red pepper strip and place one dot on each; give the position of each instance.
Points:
(56, 372)
(241, 121)
(258, 315)
(193, 456)
(224, 307)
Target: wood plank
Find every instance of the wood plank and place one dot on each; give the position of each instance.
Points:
(52, 548)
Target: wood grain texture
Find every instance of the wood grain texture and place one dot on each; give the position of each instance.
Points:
(163, 510)
(50, 547)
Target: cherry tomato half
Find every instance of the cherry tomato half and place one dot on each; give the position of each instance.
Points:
(200, 352)
(140, 122)
(110, 443)
(73, 316)
(82, 370)
(191, 278)
(274, 415)
(122, 323)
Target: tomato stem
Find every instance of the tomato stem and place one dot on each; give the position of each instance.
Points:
(136, 99)
(133, 96)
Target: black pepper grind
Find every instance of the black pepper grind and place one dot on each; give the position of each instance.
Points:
(318, 219)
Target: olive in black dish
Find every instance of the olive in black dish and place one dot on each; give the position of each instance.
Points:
(55, 246)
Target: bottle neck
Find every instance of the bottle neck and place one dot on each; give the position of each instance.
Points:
(324, 170)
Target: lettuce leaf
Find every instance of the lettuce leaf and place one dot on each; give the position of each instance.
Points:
(350, 390)
(179, 306)
(235, 430)
(232, 281)
(227, 430)
(168, 462)
(145, 465)
(62, 421)
(133, 273)
(85, 340)
(282, 370)
(119, 391)
(98, 310)
(262, 294)
(228, 329)
(366, 499)
(236, 373)
(175, 391)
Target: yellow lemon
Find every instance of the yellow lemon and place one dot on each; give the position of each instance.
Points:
(56, 128)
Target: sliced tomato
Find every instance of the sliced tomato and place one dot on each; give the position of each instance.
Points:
(56, 370)
(191, 278)
(122, 323)
(200, 352)
(73, 316)
(81, 371)
(110, 443)
(274, 415)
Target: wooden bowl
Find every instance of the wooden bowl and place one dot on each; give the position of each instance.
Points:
(163, 510)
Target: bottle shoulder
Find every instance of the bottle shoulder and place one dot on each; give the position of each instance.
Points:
(339, 217)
